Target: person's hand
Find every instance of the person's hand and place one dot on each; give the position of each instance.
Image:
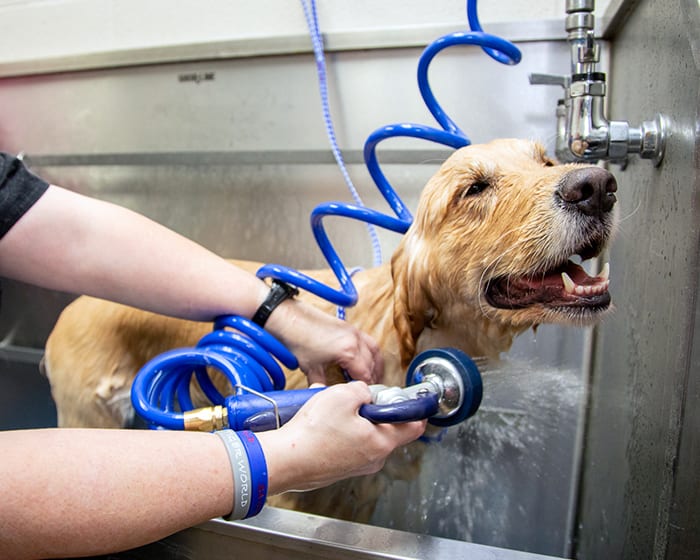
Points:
(319, 341)
(327, 441)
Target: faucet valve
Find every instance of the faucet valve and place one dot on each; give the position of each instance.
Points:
(550, 80)
(587, 84)
(583, 131)
(653, 139)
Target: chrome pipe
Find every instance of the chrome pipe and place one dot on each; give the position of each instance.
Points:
(583, 131)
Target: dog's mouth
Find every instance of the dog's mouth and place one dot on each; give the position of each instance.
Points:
(566, 286)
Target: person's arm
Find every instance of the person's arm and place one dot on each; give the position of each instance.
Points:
(85, 492)
(82, 245)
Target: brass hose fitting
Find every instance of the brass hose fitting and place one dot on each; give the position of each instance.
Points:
(207, 419)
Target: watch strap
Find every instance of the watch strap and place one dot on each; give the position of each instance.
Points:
(279, 292)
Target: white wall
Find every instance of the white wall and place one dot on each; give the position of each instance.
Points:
(41, 29)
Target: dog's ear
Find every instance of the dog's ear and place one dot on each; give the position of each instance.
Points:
(412, 266)
(411, 304)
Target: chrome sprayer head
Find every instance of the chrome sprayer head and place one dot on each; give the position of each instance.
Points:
(454, 377)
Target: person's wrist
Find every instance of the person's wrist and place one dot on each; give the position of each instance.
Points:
(285, 322)
(286, 469)
(258, 470)
(278, 293)
(249, 470)
(240, 469)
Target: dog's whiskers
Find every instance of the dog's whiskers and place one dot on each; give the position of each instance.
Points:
(631, 214)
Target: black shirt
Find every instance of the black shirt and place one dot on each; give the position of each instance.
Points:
(19, 190)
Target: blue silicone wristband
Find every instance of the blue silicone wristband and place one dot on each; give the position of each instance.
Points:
(258, 470)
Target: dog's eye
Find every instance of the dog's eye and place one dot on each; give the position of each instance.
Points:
(549, 163)
(476, 187)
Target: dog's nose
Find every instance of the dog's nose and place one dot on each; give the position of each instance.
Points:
(589, 189)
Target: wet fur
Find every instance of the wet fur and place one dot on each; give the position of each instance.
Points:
(430, 295)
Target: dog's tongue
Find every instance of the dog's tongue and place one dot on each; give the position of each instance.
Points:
(567, 285)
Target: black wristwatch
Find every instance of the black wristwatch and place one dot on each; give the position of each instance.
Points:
(279, 292)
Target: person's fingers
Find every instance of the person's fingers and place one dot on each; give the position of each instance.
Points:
(356, 392)
(316, 376)
(377, 369)
(370, 360)
(407, 432)
(329, 429)
(364, 362)
(362, 391)
(396, 434)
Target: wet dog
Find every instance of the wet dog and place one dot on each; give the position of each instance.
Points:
(487, 257)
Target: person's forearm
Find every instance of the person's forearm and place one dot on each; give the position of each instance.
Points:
(70, 492)
(78, 492)
(81, 245)
(96, 248)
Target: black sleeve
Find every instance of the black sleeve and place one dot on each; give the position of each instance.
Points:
(19, 190)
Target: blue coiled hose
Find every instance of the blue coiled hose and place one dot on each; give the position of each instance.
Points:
(243, 351)
(245, 356)
(449, 134)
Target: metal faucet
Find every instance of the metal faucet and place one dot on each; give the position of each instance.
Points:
(583, 131)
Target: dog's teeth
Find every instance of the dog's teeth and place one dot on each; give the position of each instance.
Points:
(605, 273)
(568, 283)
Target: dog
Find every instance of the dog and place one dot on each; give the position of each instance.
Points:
(486, 258)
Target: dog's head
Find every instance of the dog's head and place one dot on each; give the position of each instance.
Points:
(492, 239)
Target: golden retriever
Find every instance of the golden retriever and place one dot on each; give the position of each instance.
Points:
(486, 257)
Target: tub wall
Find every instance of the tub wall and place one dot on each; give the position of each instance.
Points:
(641, 451)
